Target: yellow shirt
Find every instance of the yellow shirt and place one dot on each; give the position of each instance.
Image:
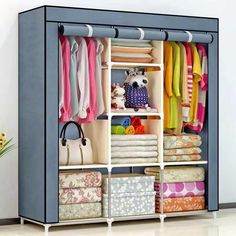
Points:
(168, 72)
(197, 72)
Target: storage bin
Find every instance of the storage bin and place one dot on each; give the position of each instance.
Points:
(79, 179)
(80, 195)
(80, 211)
(130, 204)
(129, 183)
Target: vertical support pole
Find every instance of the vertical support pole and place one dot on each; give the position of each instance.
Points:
(109, 219)
(213, 126)
(22, 221)
(162, 215)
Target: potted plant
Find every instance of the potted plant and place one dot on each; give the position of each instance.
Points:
(5, 145)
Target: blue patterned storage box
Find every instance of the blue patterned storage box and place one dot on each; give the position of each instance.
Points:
(130, 204)
(129, 183)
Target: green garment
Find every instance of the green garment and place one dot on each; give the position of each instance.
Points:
(73, 81)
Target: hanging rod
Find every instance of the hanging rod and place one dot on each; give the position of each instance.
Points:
(134, 33)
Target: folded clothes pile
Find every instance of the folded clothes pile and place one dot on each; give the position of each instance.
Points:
(140, 148)
(131, 50)
(183, 188)
(184, 147)
(131, 194)
(80, 195)
(127, 125)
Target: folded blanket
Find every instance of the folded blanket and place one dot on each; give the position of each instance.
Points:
(134, 137)
(178, 173)
(181, 204)
(133, 154)
(139, 130)
(182, 151)
(136, 121)
(133, 160)
(182, 141)
(79, 179)
(193, 157)
(181, 189)
(123, 121)
(79, 211)
(131, 43)
(133, 143)
(79, 195)
(134, 148)
(130, 130)
(117, 129)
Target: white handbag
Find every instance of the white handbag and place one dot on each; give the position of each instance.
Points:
(75, 151)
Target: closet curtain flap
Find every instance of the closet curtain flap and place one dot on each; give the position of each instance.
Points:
(134, 33)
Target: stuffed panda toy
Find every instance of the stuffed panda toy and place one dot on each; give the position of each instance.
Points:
(136, 93)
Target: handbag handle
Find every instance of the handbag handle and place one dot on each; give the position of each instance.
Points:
(63, 132)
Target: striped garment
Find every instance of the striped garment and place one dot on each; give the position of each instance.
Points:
(202, 90)
(186, 108)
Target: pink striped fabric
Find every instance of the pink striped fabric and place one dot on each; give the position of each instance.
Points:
(186, 108)
(202, 90)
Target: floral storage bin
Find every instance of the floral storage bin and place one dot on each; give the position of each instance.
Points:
(130, 204)
(80, 211)
(129, 183)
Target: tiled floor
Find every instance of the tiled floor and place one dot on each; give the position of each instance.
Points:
(224, 225)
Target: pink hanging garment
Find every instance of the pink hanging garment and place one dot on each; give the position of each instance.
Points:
(186, 108)
(202, 90)
(65, 110)
(92, 109)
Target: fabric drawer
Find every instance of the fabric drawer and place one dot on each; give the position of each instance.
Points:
(79, 211)
(80, 179)
(130, 204)
(181, 204)
(79, 195)
(182, 141)
(181, 189)
(129, 183)
(178, 173)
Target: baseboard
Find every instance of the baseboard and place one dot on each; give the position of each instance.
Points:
(227, 205)
(10, 221)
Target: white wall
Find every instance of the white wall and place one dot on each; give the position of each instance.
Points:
(8, 79)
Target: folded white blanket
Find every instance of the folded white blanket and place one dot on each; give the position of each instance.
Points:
(134, 148)
(133, 154)
(133, 143)
(134, 137)
(133, 160)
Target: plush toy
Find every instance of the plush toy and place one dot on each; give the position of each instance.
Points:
(117, 97)
(136, 93)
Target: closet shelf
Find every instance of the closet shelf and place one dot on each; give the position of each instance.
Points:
(139, 217)
(179, 163)
(186, 213)
(82, 221)
(127, 65)
(131, 112)
(134, 165)
(75, 167)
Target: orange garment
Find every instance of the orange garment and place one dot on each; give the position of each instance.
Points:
(197, 76)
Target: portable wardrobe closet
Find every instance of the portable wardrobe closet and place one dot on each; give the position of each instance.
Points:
(38, 99)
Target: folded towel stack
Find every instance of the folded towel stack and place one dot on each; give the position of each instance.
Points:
(131, 50)
(131, 194)
(183, 188)
(80, 195)
(127, 125)
(182, 148)
(140, 148)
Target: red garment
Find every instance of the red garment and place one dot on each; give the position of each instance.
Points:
(66, 107)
